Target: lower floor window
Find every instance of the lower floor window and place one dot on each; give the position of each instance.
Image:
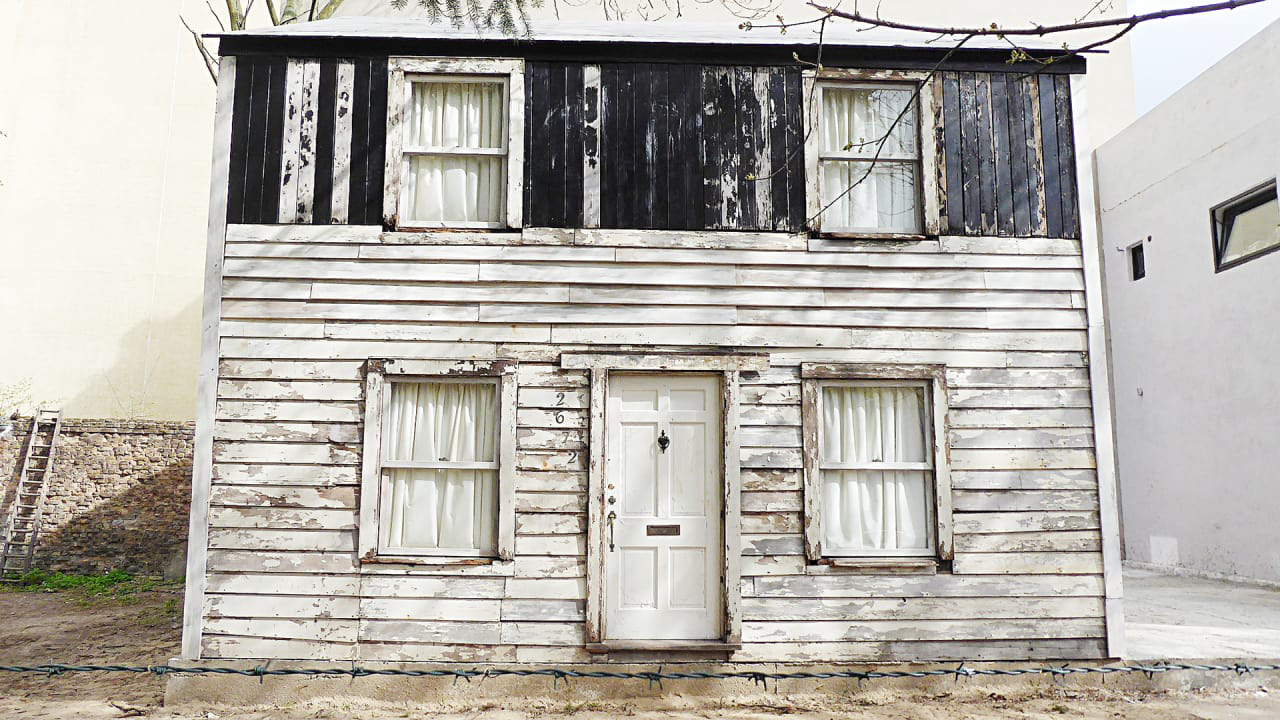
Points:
(876, 483)
(440, 473)
(876, 468)
(439, 467)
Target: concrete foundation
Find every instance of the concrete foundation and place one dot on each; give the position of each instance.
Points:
(509, 690)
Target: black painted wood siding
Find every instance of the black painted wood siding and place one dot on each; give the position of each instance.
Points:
(257, 140)
(1006, 155)
(679, 146)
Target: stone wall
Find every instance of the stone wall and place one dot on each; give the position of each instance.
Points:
(119, 495)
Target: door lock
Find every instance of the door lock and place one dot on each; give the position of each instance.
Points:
(663, 441)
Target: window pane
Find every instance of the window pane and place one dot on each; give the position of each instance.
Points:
(456, 115)
(442, 422)
(855, 119)
(450, 509)
(882, 198)
(456, 189)
(1251, 231)
(864, 510)
(873, 424)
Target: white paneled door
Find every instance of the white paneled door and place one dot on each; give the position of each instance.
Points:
(662, 533)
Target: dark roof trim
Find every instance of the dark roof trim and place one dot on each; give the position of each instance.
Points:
(899, 58)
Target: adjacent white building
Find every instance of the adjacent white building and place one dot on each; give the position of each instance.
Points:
(1187, 196)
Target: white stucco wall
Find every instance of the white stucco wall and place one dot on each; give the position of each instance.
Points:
(105, 129)
(1195, 352)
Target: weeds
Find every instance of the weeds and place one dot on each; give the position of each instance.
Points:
(114, 585)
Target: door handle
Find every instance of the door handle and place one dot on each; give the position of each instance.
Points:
(612, 516)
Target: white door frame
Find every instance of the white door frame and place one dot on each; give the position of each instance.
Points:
(730, 365)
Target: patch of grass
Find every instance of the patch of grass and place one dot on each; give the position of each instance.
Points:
(113, 585)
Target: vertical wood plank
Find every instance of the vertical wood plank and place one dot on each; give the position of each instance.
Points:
(727, 127)
(344, 90)
(375, 391)
(1018, 157)
(942, 467)
(359, 171)
(307, 141)
(555, 181)
(270, 187)
(591, 145)
(747, 118)
(812, 480)
(779, 217)
(680, 144)
(732, 568)
(953, 152)
(541, 160)
(986, 154)
(573, 145)
(289, 142)
(971, 154)
(1035, 160)
(1049, 152)
(797, 165)
(229, 94)
(929, 130)
(241, 120)
(1066, 157)
(326, 101)
(507, 466)
(1002, 154)
(693, 147)
(712, 194)
(643, 178)
(515, 148)
(610, 124)
(256, 142)
(627, 155)
(657, 146)
(594, 627)
(375, 172)
(762, 129)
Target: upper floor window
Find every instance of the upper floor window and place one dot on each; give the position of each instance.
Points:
(1246, 226)
(455, 149)
(868, 160)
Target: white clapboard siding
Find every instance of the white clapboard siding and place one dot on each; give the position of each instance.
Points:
(305, 307)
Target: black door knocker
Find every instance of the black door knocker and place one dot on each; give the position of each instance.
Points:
(663, 441)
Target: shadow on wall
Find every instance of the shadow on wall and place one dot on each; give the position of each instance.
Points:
(142, 530)
(153, 373)
(118, 497)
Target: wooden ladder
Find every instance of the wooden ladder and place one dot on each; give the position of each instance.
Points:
(22, 522)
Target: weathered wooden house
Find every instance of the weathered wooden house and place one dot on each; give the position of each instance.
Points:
(615, 345)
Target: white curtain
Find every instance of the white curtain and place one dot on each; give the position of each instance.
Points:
(456, 188)
(883, 194)
(874, 509)
(442, 422)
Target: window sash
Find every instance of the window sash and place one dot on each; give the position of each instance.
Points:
(1224, 220)
(407, 152)
(926, 467)
(386, 465)
(850, 156)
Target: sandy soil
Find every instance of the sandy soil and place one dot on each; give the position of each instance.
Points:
(38, 628)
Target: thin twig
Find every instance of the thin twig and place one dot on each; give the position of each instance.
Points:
(1038, 30)
(210, 63)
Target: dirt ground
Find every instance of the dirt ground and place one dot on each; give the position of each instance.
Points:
(37, 628)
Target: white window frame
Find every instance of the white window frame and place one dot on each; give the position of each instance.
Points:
(380, 375)
(927, 207)
(403, 71)
(932, 378)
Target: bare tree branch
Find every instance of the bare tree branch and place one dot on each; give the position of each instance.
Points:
(216, 17)
(235, 14)
(271, 10)
(329, 9)
(210, 62)
(1038, 30)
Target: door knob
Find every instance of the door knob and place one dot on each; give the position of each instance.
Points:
(663, 441)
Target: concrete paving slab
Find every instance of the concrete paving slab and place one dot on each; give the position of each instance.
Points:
(1171, 617)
